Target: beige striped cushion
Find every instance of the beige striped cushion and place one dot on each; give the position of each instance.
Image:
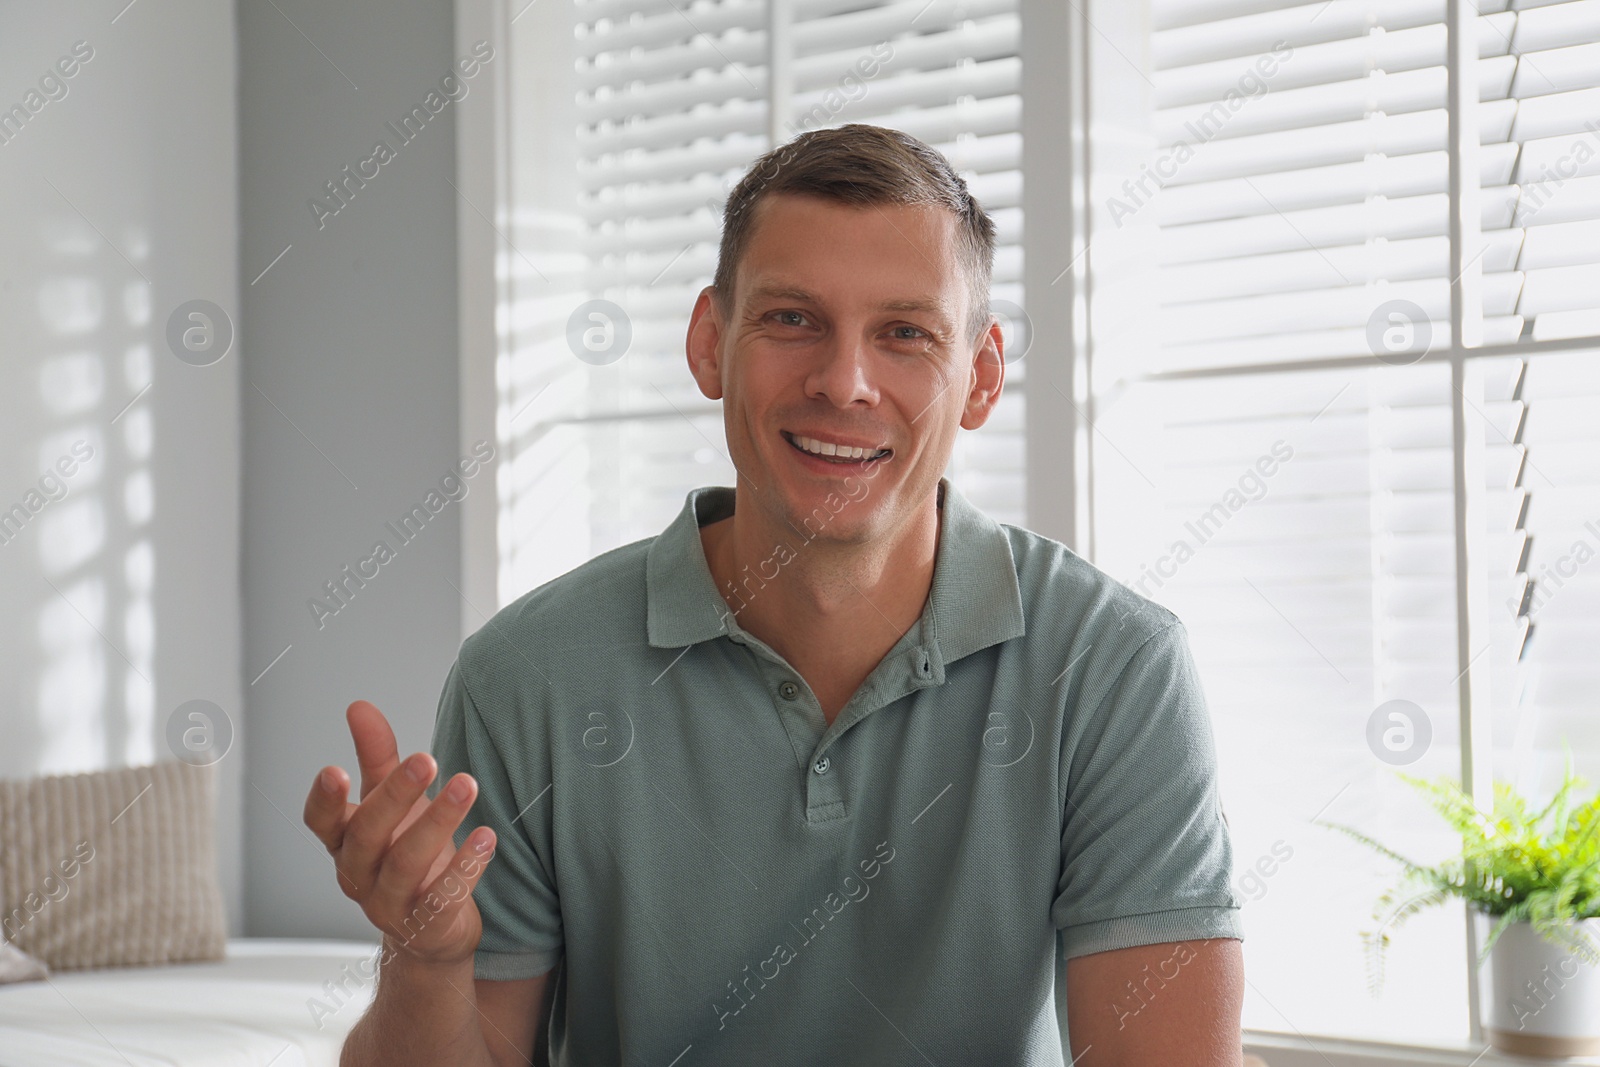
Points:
(113, 868)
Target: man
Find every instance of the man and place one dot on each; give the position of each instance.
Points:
(835, 770)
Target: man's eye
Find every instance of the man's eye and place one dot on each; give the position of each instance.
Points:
(784, 319)
(914, 335)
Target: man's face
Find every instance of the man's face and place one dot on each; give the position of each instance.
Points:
(848, 326)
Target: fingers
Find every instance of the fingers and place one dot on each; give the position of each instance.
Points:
(416, 854)
(375, 747)
(327, 810)
(370, 829)
(466, 867)
(447, 894)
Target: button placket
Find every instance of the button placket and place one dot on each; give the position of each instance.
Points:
(824, 792)
(796, 713)
(907, 671)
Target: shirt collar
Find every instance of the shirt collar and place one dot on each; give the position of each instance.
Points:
(975, 600)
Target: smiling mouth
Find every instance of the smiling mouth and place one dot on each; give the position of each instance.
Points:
(815, 449)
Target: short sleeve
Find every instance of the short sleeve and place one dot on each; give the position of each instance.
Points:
(516, 895)
(1145, 852)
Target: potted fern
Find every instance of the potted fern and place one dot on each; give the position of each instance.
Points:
(1537, 874)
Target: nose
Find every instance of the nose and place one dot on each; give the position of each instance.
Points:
(843, 371)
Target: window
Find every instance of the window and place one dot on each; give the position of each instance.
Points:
(1272, 349)
(1282, 372)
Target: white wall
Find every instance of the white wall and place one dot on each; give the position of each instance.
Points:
(349, 410)
(120, 203)
(178, 564)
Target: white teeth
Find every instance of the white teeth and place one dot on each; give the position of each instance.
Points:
(826, 448)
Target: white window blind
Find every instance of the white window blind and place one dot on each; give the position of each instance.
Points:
(1543, 462)
(1544, 182)
(1315, 588)
(1327, 195)
(1543, 441)
(1274, 178)
(658, 109)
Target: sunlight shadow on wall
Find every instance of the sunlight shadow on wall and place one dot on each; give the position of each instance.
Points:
(95, 634)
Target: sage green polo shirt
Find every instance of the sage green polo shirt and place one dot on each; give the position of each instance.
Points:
(1028, 775)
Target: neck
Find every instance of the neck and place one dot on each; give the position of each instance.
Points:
(823, 601)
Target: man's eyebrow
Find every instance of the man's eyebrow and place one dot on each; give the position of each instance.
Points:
(789, 292)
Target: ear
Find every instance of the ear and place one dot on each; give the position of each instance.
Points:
(703, 342)
(987, 378)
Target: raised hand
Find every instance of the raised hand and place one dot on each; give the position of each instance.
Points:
(394, 851)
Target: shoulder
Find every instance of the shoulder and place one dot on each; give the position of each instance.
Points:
(588, 614)
(1065, 597)
(1089, 636)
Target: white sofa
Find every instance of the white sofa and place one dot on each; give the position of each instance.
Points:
(283, 1003)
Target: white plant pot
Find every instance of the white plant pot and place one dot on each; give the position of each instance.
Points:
(1543, 1001)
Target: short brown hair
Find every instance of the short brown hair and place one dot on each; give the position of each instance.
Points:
(861, 165)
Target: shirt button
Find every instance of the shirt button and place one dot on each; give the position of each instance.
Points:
(788, 690)
(822, 765)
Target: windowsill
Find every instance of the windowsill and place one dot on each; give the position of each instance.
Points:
(1287, 1050)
